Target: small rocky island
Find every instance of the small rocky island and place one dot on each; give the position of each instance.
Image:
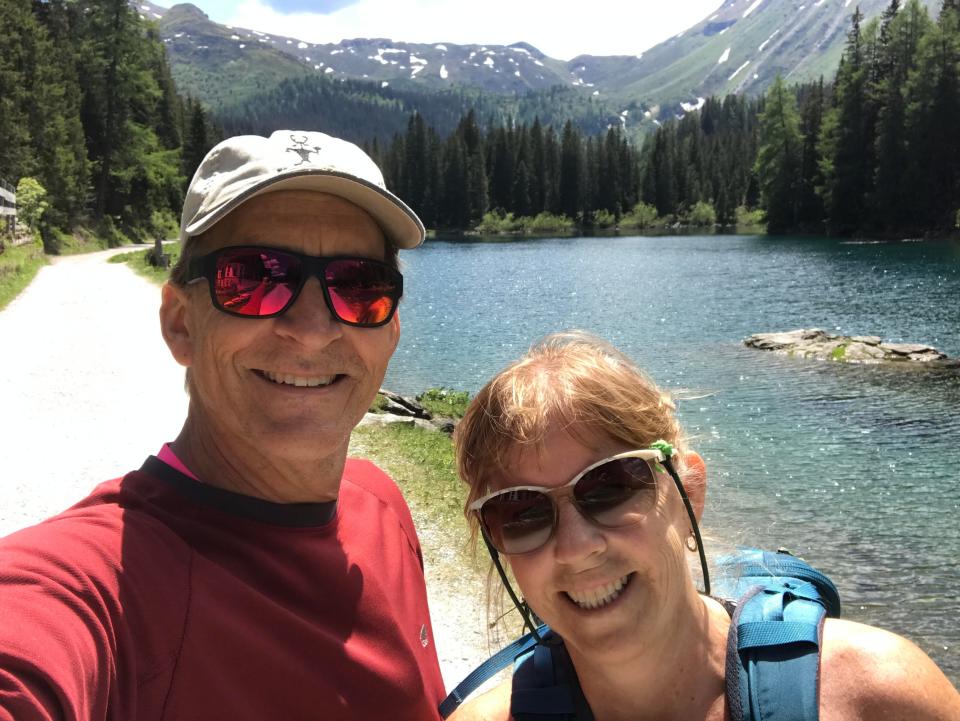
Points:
(816, 343)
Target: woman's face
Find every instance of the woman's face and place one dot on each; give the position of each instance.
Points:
(600, 588)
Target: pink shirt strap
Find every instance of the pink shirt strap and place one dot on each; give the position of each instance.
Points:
(167, 455)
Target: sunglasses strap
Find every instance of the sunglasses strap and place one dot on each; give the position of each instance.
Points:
(521, 605)
(693, 523)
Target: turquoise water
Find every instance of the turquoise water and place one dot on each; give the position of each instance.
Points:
(856, 468)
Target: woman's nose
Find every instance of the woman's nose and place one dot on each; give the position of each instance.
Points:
(576, 538)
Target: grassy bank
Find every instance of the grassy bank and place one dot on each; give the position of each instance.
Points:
(421, 462)
(138, 260)
(18, 266)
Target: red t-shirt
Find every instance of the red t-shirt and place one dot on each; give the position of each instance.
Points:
(158, 597)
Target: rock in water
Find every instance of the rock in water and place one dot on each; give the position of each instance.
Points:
(817, 343)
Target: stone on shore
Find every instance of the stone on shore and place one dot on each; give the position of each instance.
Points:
(816, 343)
(395, 408)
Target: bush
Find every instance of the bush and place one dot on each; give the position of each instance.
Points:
(643, 215)
(604, 219)
(445, 402)
(31, 202)
(701, 215)
(496, 222)
(549, 223)
(750, 218)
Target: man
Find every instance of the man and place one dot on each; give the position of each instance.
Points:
(249, 570)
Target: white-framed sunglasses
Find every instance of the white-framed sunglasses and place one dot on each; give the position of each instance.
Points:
(614, 492)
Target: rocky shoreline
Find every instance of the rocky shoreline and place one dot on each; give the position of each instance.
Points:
(864, 349)
(395, 408)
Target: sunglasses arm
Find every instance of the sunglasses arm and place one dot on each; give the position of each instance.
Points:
(521, 605)
(693, 523)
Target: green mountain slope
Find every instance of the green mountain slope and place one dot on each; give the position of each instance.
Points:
(739, 48)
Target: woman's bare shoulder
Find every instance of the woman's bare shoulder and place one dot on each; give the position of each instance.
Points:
(869, 673)
(494, 705)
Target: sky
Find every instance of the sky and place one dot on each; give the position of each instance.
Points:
(559, 29)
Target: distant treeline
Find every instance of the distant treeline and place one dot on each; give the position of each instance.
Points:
(875, 152)
(88, 108)
(514, 168)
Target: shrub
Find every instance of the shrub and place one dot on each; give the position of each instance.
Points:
(643, 215)
(549, 223)
(747, 217)
(31, 202)
(604, 219)
(701, 215)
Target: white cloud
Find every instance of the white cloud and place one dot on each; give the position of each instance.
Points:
(563, 35)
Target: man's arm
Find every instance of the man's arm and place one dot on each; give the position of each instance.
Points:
(59, 605)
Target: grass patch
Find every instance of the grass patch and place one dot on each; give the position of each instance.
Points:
(18, 266)
(838, 353)
(138, 261)
(421, 462)
(444, 402)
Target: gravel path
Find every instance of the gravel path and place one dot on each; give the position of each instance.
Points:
(89, 389)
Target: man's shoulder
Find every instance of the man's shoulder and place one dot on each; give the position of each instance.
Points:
(370, 478)
(103, 531)
(869, 673)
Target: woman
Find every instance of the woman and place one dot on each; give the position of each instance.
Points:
(598, 539)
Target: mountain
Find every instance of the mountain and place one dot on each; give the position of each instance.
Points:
(739, 48)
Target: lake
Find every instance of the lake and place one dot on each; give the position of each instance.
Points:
(855, 468)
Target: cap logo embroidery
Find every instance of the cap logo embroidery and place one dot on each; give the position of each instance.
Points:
(301, 149)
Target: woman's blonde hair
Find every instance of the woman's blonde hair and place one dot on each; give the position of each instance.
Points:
(573, 380)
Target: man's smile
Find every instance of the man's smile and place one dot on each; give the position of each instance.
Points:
(299, 381)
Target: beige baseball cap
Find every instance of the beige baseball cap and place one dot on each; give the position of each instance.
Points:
(245, 166)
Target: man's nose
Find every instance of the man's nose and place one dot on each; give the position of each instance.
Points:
(309, 320)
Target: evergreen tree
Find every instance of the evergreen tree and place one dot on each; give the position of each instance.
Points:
(846, 145)
(779, 158)
(571, 172)
(931, 115)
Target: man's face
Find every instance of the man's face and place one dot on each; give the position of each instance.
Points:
(294, 385)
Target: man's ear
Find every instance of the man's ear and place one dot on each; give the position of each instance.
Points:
(174, 324)
(695, 481)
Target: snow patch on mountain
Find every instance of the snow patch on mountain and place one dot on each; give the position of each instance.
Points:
(724, 57)
(443, 72)
(754, 6)
(764, 43)
(688, 107)
(737, 71)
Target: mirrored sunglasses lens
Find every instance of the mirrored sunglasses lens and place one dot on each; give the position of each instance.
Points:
(362, 292)
(255, 282)
(618, 493)
(518, 521)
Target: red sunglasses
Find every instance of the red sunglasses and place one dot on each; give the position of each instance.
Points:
(259, 282)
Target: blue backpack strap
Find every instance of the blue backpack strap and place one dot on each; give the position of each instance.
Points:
(493, 665)
(773, 648)
(545, 685)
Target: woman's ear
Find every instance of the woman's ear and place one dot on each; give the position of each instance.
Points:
(695, 481)
(174, 324)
